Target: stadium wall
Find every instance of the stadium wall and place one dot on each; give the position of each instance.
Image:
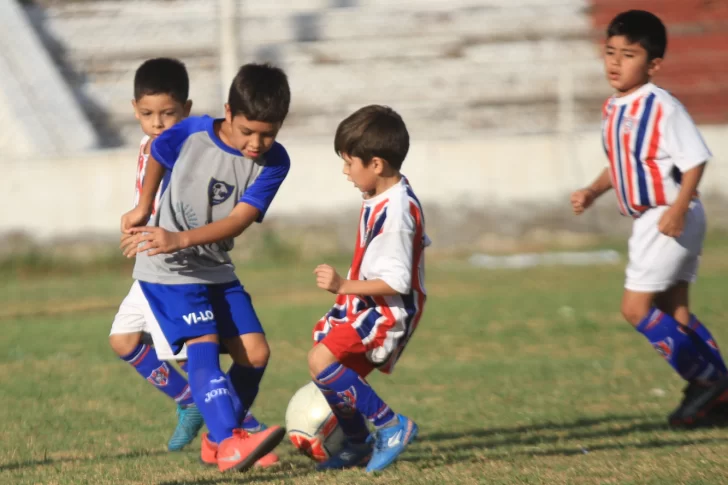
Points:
(494, 185)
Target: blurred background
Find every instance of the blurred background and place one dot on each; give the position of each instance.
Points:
(502, 99)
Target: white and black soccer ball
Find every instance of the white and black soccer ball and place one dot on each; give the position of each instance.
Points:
(312, 427)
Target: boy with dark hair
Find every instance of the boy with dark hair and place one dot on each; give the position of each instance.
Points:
(223, 177)
(380, 303)
(161, 89)
(656, 160)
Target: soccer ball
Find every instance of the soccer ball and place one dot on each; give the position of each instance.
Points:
(312, 427)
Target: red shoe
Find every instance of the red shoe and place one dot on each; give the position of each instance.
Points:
(242, 450)
(208, 455)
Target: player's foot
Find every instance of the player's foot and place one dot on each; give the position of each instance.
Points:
(252, 425)
(208, 454)
(189, 423)
(352, 455)
(699, 403)
(242, 450)
(390, 442)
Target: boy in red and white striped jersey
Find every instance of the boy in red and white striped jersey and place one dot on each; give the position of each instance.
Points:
(656, 160)
(380, 302)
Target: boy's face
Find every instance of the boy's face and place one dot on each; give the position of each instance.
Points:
(363, 177)
(627, 65)
(157, 112)
(252, 138)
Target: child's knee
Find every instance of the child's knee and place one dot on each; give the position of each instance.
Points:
(319, 358)
(249, 350)
(633, 313)
(260, 355)
(124, 343)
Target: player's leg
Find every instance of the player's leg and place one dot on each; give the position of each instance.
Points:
(185, 315)
(126, 341)
(338, 366)
(698, 391)
(189, 418)
(675, 302)
(243, 337)
(657, 263)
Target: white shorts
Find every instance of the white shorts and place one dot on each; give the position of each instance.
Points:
(657, 262)
(135, 315)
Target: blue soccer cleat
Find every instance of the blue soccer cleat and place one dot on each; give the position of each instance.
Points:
(189, 423)
(390, 442)
(252, 425)
(352, 455)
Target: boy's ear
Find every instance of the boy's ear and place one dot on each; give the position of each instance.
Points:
(654, 66)
(228, 113)
(187, 108)
(133, 105)
(378, 165)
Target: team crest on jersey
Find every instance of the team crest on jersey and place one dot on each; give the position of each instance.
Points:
(159, 376)
(629, 123)
(219, 191)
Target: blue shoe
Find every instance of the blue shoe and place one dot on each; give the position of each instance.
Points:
(252, 425)
(390, 442)
(352, 455)
(189, 423)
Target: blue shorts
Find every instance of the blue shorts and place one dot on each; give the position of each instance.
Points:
(189, 311)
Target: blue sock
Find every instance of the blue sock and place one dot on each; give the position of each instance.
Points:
(250, 422)
(244, 383)
(680, 346)
(210, 390)
(160, 374)
(353, 393)
(350, 419)
(708, 339)
(183, 365)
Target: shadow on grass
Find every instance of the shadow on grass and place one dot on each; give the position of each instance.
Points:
(443, 448)
(286, 472)
(574, 438)
(52, 461)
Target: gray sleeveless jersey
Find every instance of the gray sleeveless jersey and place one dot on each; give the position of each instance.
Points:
(205, 180)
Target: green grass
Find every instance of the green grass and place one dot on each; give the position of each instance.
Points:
(524, 377)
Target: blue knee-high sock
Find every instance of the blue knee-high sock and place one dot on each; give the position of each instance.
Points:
(160, 374)
(350, 419)
(244, 384)
(680, 346)
(210, 390)
(704, 334)
(354, 393)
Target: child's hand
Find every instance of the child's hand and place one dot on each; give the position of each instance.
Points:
(672, 222)
(327, 278)
(581, 200)
(135, 217)
(156, 239)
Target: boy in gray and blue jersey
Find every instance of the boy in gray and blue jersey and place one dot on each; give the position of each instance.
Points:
(221, 176)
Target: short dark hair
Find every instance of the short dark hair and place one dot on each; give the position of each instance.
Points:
(641, 27)
(162, 76)
(373, 131)
(260, 92)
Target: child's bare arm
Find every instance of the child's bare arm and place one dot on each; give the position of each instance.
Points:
(582, 199)
(161, 241)
(672, 221)
(140, 214)
(328, 279)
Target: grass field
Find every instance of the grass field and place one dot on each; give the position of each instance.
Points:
(514, 377)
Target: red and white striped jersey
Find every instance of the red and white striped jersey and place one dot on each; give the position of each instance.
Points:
(140, 172)
(390, 246)
(650, 141)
